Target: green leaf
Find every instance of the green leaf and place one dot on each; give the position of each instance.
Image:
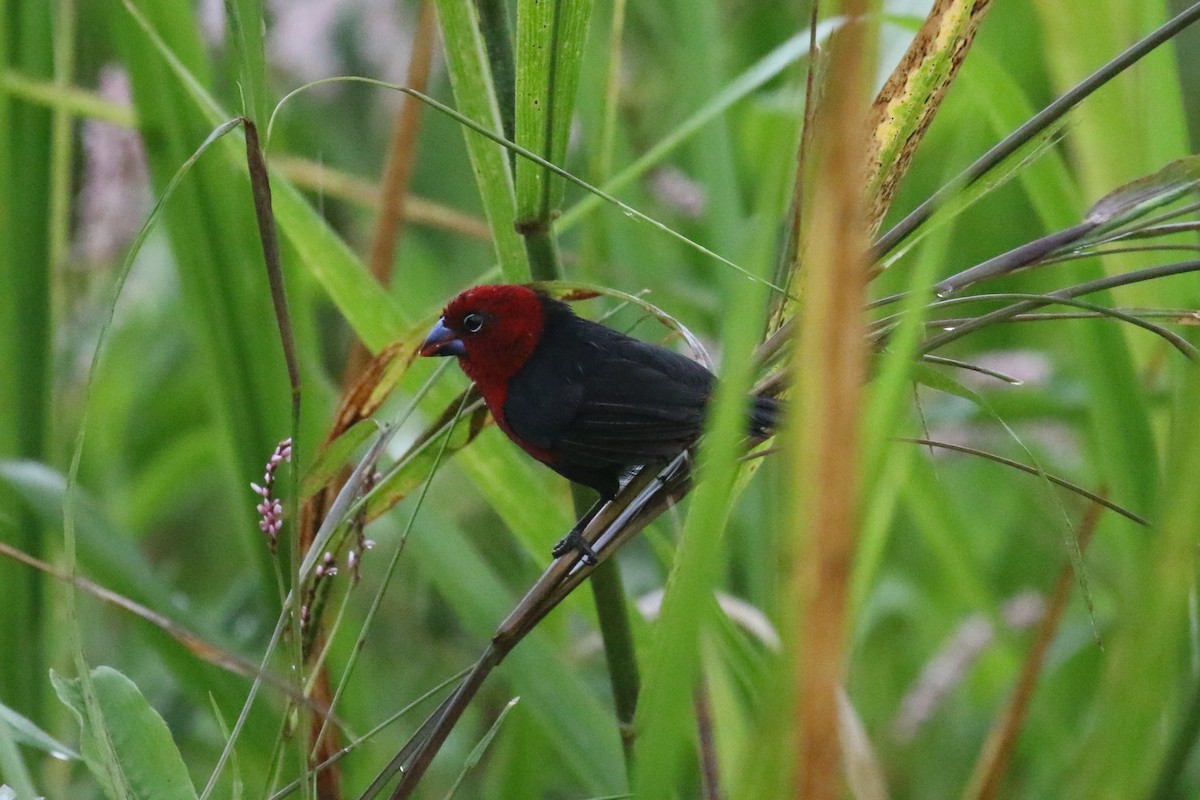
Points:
(149, 763)
(550, 41)
(471, 76)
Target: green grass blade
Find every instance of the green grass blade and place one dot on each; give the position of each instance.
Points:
(470, 74)
(550, 46)
(26, 330)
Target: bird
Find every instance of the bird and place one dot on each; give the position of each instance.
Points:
(589, 402)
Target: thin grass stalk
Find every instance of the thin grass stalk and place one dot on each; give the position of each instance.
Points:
(62, 141)
(1069, 293)
(625, 208)
(559, 580)
(824, 434)
(194, 643)
(402, 150)
(246, 383)
(260, 187)
(882, 329)
(616, 633)
(325, 180)
(26, 337)
(987, 778)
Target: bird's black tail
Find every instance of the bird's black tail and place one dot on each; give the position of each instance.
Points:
(764, 417)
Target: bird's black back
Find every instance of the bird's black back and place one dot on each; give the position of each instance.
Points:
(600, 402)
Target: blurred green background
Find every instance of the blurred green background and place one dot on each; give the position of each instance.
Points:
(99, 109)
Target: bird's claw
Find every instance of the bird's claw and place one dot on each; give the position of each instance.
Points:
(573, 542)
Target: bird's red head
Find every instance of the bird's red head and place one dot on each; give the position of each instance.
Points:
(492, 329)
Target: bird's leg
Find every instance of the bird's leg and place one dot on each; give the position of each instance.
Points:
(574, 540)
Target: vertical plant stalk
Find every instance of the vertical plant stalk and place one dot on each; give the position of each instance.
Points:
(402, 150)
(475, 96)
(25, 336)
(612, 93)
(62, 136)
(612, 611)
(825, 435)
(497, 37)
(710, 765)
(260, 185)
(397, 173)
(550, 39)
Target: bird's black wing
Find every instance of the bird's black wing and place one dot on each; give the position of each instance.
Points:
(597, 398)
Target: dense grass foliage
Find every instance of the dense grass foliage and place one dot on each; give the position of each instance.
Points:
(1003, 635)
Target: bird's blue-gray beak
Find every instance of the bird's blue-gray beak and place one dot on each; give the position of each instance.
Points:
(442, 341)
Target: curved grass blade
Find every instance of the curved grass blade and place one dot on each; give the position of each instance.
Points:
(1017, 465)
(964, 365)
(569, 291)
(624, 207)
(1096, 310)
(1067, 294)
(1115, 210)
(476, 754)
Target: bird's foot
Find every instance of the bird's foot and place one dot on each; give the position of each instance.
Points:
(573, 542)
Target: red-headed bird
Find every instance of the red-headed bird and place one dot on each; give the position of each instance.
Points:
(585, 400)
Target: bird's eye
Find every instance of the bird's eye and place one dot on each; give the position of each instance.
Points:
(473, 323)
